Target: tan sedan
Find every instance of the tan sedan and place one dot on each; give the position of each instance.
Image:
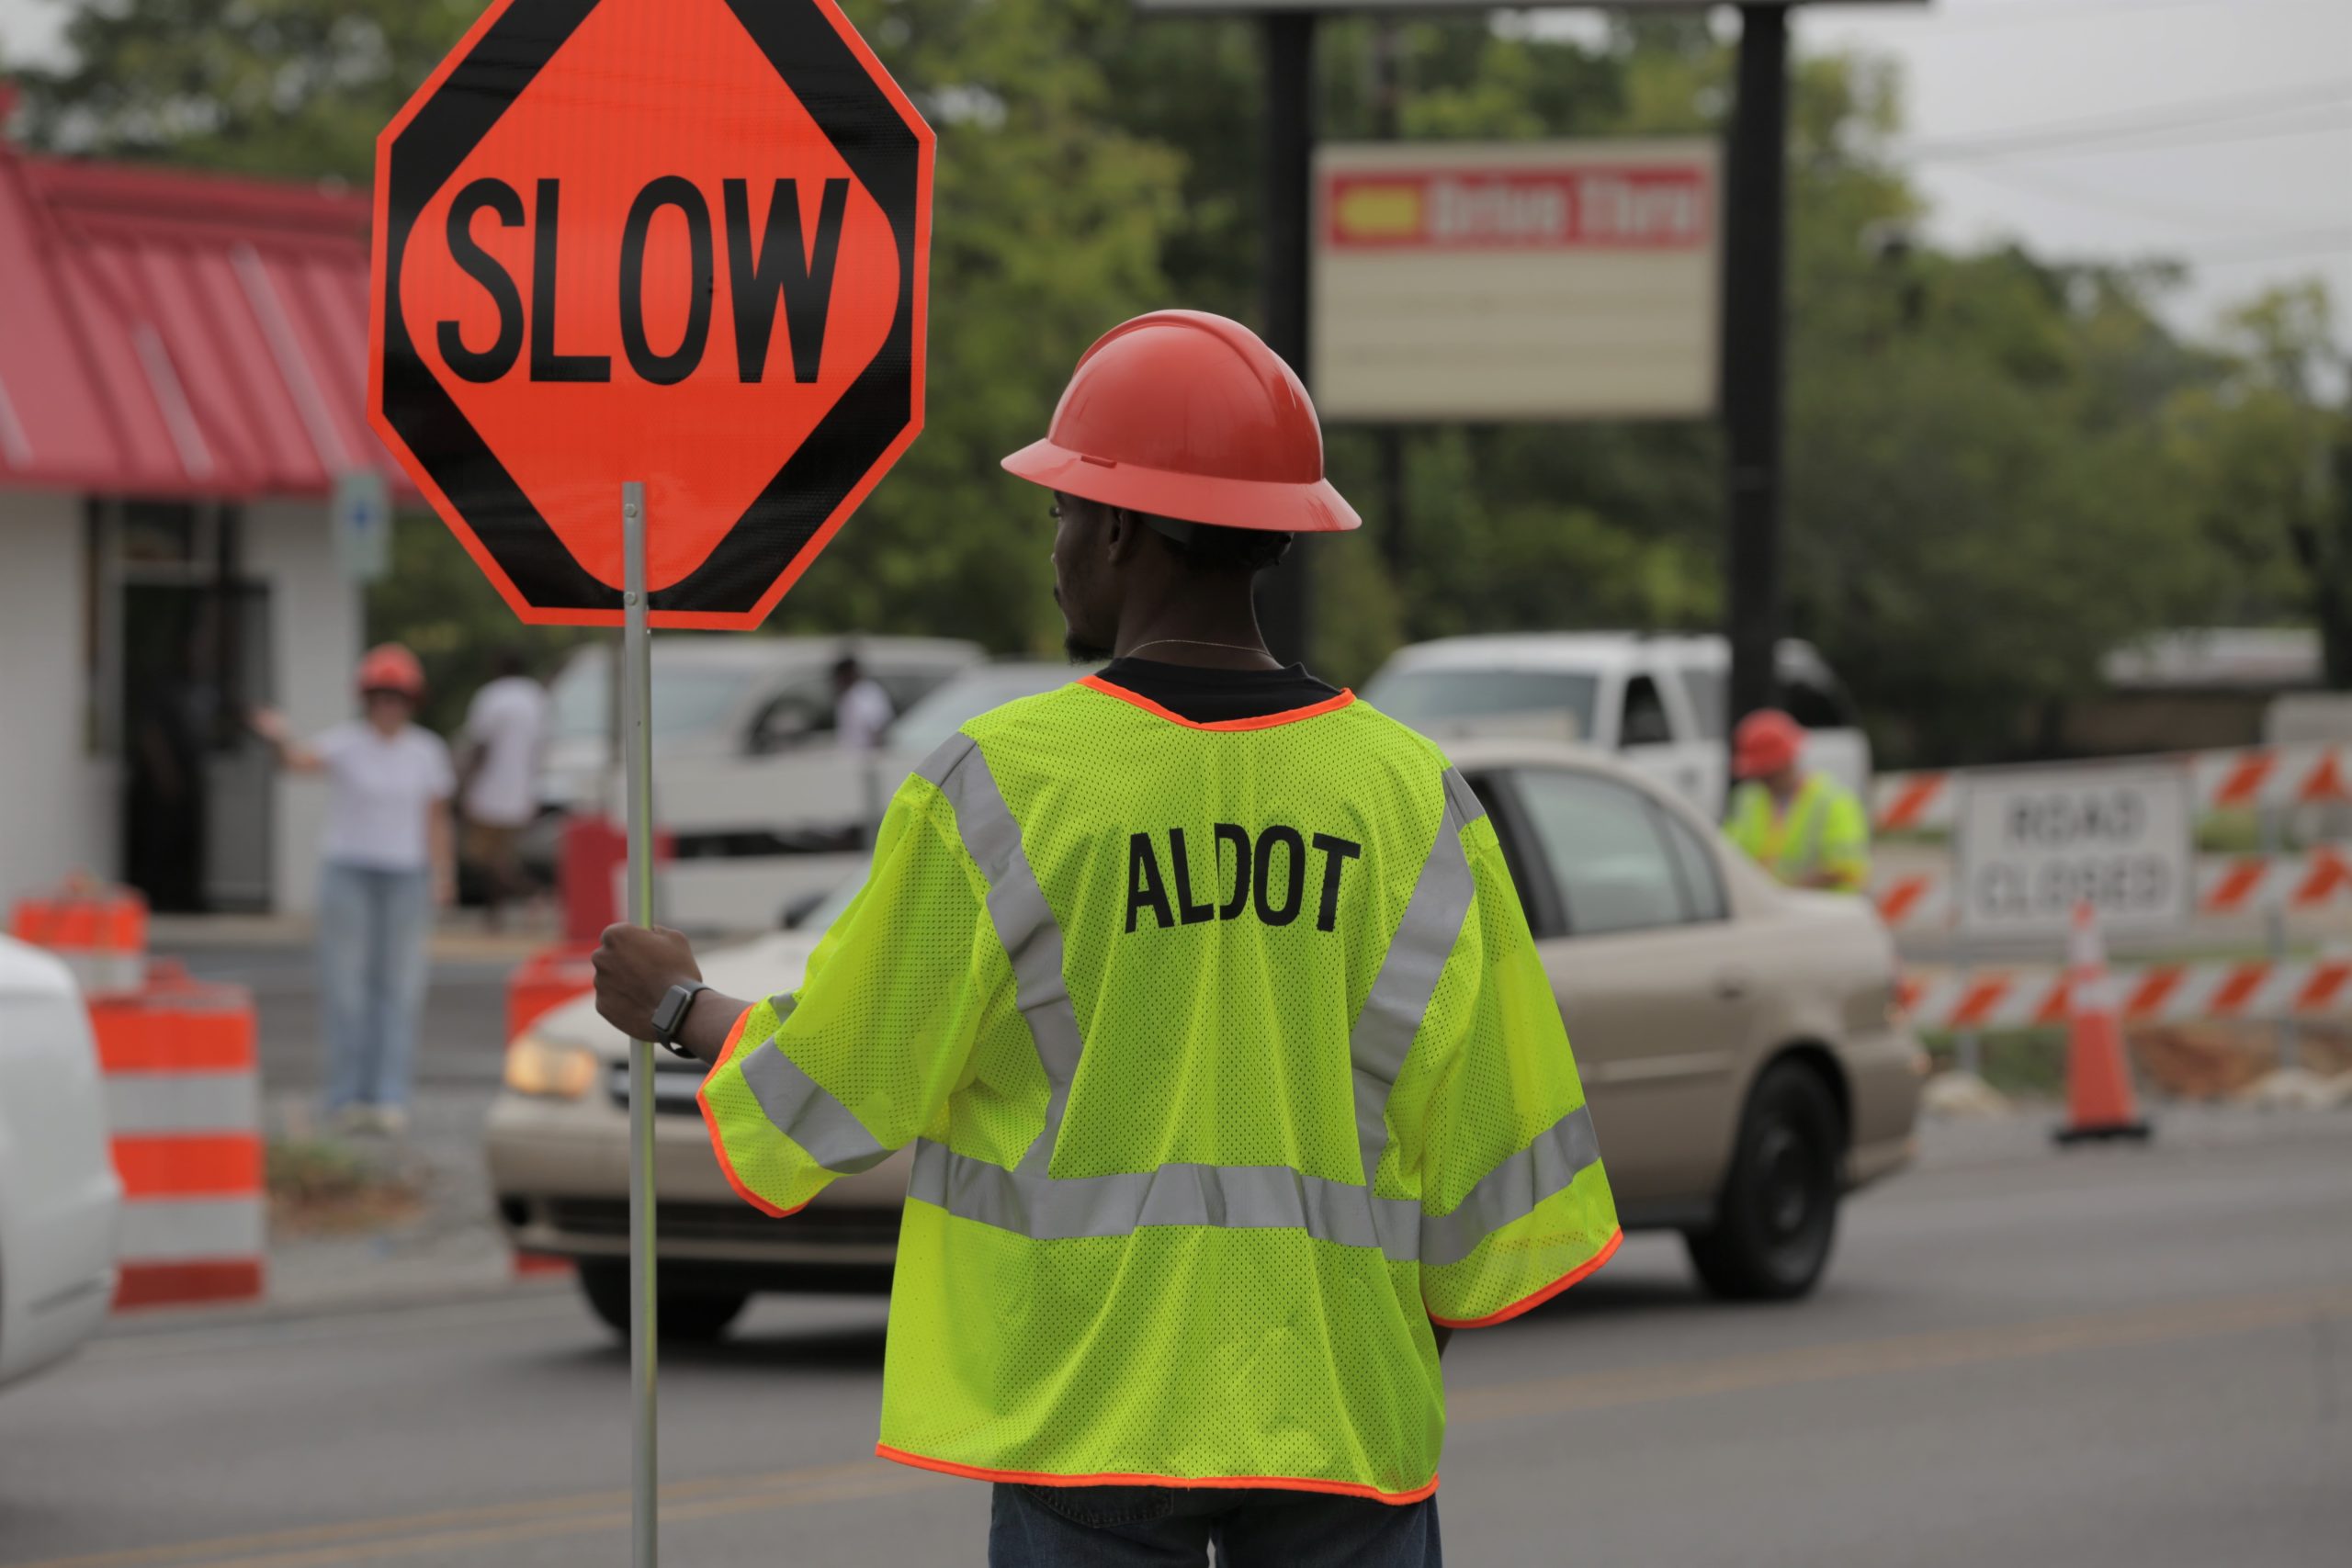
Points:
(1739, 1040)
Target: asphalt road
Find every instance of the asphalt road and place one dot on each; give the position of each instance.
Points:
(2113, 1356)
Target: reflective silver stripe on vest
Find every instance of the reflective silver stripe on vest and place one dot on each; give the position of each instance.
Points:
(1228, 1197)
(803, 1112)
(1400, 993)
(1512, 1189)
(1024, 924)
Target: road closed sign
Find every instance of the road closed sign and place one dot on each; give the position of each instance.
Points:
(675, 242)
(2034, 841)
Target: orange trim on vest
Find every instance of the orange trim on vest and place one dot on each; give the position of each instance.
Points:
(710, 1124)
(1264, 721)
(1527, 1303)
(1229, 1483)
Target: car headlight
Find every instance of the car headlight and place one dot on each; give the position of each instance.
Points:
(541, 1067)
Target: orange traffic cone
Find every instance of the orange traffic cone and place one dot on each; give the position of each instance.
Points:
(2099, 1079)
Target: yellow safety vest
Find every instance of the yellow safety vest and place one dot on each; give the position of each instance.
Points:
(1824, 829)
(1229, 1066)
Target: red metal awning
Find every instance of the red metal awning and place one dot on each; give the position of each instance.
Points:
(171, 333)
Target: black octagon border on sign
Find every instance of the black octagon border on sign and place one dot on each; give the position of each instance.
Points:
(873, 411)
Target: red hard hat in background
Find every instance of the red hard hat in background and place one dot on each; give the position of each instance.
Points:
(389, 667)
(1767, 741)
(1188, 415)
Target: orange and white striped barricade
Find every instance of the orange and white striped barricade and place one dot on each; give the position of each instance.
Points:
(99, 932)
(183, 1095)
(2226, 884)
(2238, 778)
(2259, 989)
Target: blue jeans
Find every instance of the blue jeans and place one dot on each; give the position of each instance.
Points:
(371, 972)
(1170, 1526)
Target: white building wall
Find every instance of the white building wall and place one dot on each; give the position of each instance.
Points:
(316, 624)
(58, 803)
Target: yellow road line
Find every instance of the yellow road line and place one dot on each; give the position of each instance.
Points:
(1904, 1353)
(674, 1497)
(322, 1546)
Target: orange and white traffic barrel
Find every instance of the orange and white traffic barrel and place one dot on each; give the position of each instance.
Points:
(184, 1101)
(99, 932)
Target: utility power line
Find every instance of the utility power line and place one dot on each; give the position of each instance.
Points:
(1952, 20)
(2074, 191)
(2236, 109)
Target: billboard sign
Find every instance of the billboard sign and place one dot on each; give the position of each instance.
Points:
(1516, 280)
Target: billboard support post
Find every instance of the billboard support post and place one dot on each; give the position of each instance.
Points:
(1755, 324)
(1387, 95)
(1290, 156)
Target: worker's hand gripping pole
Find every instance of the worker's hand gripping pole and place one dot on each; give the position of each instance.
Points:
(636, 734)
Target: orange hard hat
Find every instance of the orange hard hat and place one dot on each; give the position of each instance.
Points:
(389, 667)
(1767, 741)
(1188, 415)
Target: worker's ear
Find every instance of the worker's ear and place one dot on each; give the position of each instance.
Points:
(1120, 534)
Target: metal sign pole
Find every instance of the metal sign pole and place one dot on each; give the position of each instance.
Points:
(636, 725)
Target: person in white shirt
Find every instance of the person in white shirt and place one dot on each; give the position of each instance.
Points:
(862, 713)
(388, 864)
(862, 709)
(506, 726)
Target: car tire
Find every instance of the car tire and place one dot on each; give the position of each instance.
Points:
(695, 1317)
(1778, 1213)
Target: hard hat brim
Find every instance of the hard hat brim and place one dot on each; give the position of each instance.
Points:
(1270, 505)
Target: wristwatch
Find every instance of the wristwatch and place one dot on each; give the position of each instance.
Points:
(670, 1012)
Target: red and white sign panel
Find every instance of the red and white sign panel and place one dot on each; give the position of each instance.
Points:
(1549, 280)
(1666, 205)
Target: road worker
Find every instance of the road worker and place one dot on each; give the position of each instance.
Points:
(1803, 826)
(1201, 989)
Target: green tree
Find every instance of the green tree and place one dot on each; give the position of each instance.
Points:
(2270, 460)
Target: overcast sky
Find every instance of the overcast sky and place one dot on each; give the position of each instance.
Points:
(2218, 131)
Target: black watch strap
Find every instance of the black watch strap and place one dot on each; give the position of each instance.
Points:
(670, 1014)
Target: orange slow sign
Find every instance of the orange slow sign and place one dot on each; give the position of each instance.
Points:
(677, 242)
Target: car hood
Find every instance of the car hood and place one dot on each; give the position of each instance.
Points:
(767, 967)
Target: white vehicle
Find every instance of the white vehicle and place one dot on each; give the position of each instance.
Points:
(59, 1200)
(757, 838)
(757, 800)
(721, 700)
(1658, 702)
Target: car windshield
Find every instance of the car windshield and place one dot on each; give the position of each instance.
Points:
(687, 698)
(941, 713)
(1429, 697)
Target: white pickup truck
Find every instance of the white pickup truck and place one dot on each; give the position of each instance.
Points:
(1658, 702)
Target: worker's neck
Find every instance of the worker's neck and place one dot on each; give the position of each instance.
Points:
(1213, 625)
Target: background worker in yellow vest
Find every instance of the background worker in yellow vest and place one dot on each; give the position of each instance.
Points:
(1805, 827)
(1201, 989)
